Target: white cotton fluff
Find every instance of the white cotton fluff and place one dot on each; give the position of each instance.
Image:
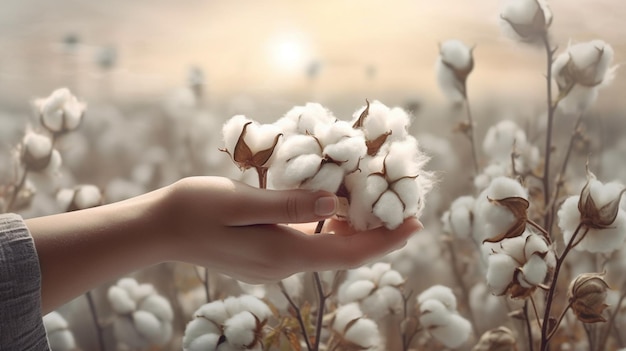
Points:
(499, 217)
(348, 152)
(357, 290)
(38, 146)
(304, 119)
(522, 12)
(375, 288)
(389, 209)
(64, 198)
(143, 318)
(597, 240)
(454, 55)
(199, 328)
(61, 111)
(502, 138)
(533, 272)
(440, 293)
(433, 313)
(489, 173)
(364, 333)
(454, 333)
(206, 342)
(59, 336)
(587, 66)
(120, 300)
(239, 329)
(382, 119)
(87, 196)
(458, 220)
(214, 311)
(500, 270)
(253, 305)
(489, 311)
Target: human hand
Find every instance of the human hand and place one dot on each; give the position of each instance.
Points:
(240, 230)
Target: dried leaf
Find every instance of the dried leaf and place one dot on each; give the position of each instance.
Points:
(293, 339)
(243, 154)
(374, 145)
(366, 111)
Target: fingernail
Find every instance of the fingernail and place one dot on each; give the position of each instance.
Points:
(326, 206)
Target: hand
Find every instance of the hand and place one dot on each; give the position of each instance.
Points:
(236, 229)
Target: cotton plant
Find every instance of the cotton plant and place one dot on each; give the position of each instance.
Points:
(438, 315)
(351, 329)
(143, 318)
(377, 290)
(236, 323)
(57, 114)
(60, 337)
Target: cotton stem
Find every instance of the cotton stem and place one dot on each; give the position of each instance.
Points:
(545, 333)
(321, 296)
(551, 109)
(296, 309)
(16, 191)
(470, 135)
(96, 321)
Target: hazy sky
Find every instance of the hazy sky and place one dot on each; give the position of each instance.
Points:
(255, 47)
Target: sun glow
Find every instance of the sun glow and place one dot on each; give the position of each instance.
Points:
(288, 52)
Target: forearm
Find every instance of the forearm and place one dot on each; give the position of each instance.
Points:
(80, 250)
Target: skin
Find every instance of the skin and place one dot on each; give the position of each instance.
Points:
(208, 221)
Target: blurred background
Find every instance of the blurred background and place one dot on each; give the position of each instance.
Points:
(271, 55)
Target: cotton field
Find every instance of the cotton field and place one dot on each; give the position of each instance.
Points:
(498, 127)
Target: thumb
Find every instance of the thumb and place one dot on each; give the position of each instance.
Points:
(262, 206)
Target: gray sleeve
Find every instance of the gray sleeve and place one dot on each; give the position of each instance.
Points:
(21, 325)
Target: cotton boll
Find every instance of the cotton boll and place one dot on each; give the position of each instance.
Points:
(290, 175)
(408, 191)
(364, 333)
(120, 300)
(501, 139)
(356, 291)
(535, 244)
(304, 119)
(515, 247)
(500, 272)
(595, 54)
(433, 313)
(158, 306)
(206, 342)
(440, 293)
(389, 209)
(239, 330)
(344, 314)
(147, 324)
(448, 83)
(59, 336)
(255, 306)
(519, 19)
(453, 334)
(503, 187)
(199, 328)
(348, 152)
(231, 131)
(489, 311)
(398, 121)
(534, 272)
(578, 100)
(328, 178)
(454, 64)
(391, 278)
(64, 198)
(87, 196)
(38, 146)
(458, 220)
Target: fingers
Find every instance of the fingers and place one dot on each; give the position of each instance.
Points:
(260, 206)
(331, 252)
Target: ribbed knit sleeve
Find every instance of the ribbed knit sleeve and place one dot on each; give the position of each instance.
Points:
(21, 325)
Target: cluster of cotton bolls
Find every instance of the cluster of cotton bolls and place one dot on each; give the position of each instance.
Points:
(438, 314)
(352, 330)
(236, 323)
(60, 337)
(143, 318)
(376, 289)
(371, 161)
